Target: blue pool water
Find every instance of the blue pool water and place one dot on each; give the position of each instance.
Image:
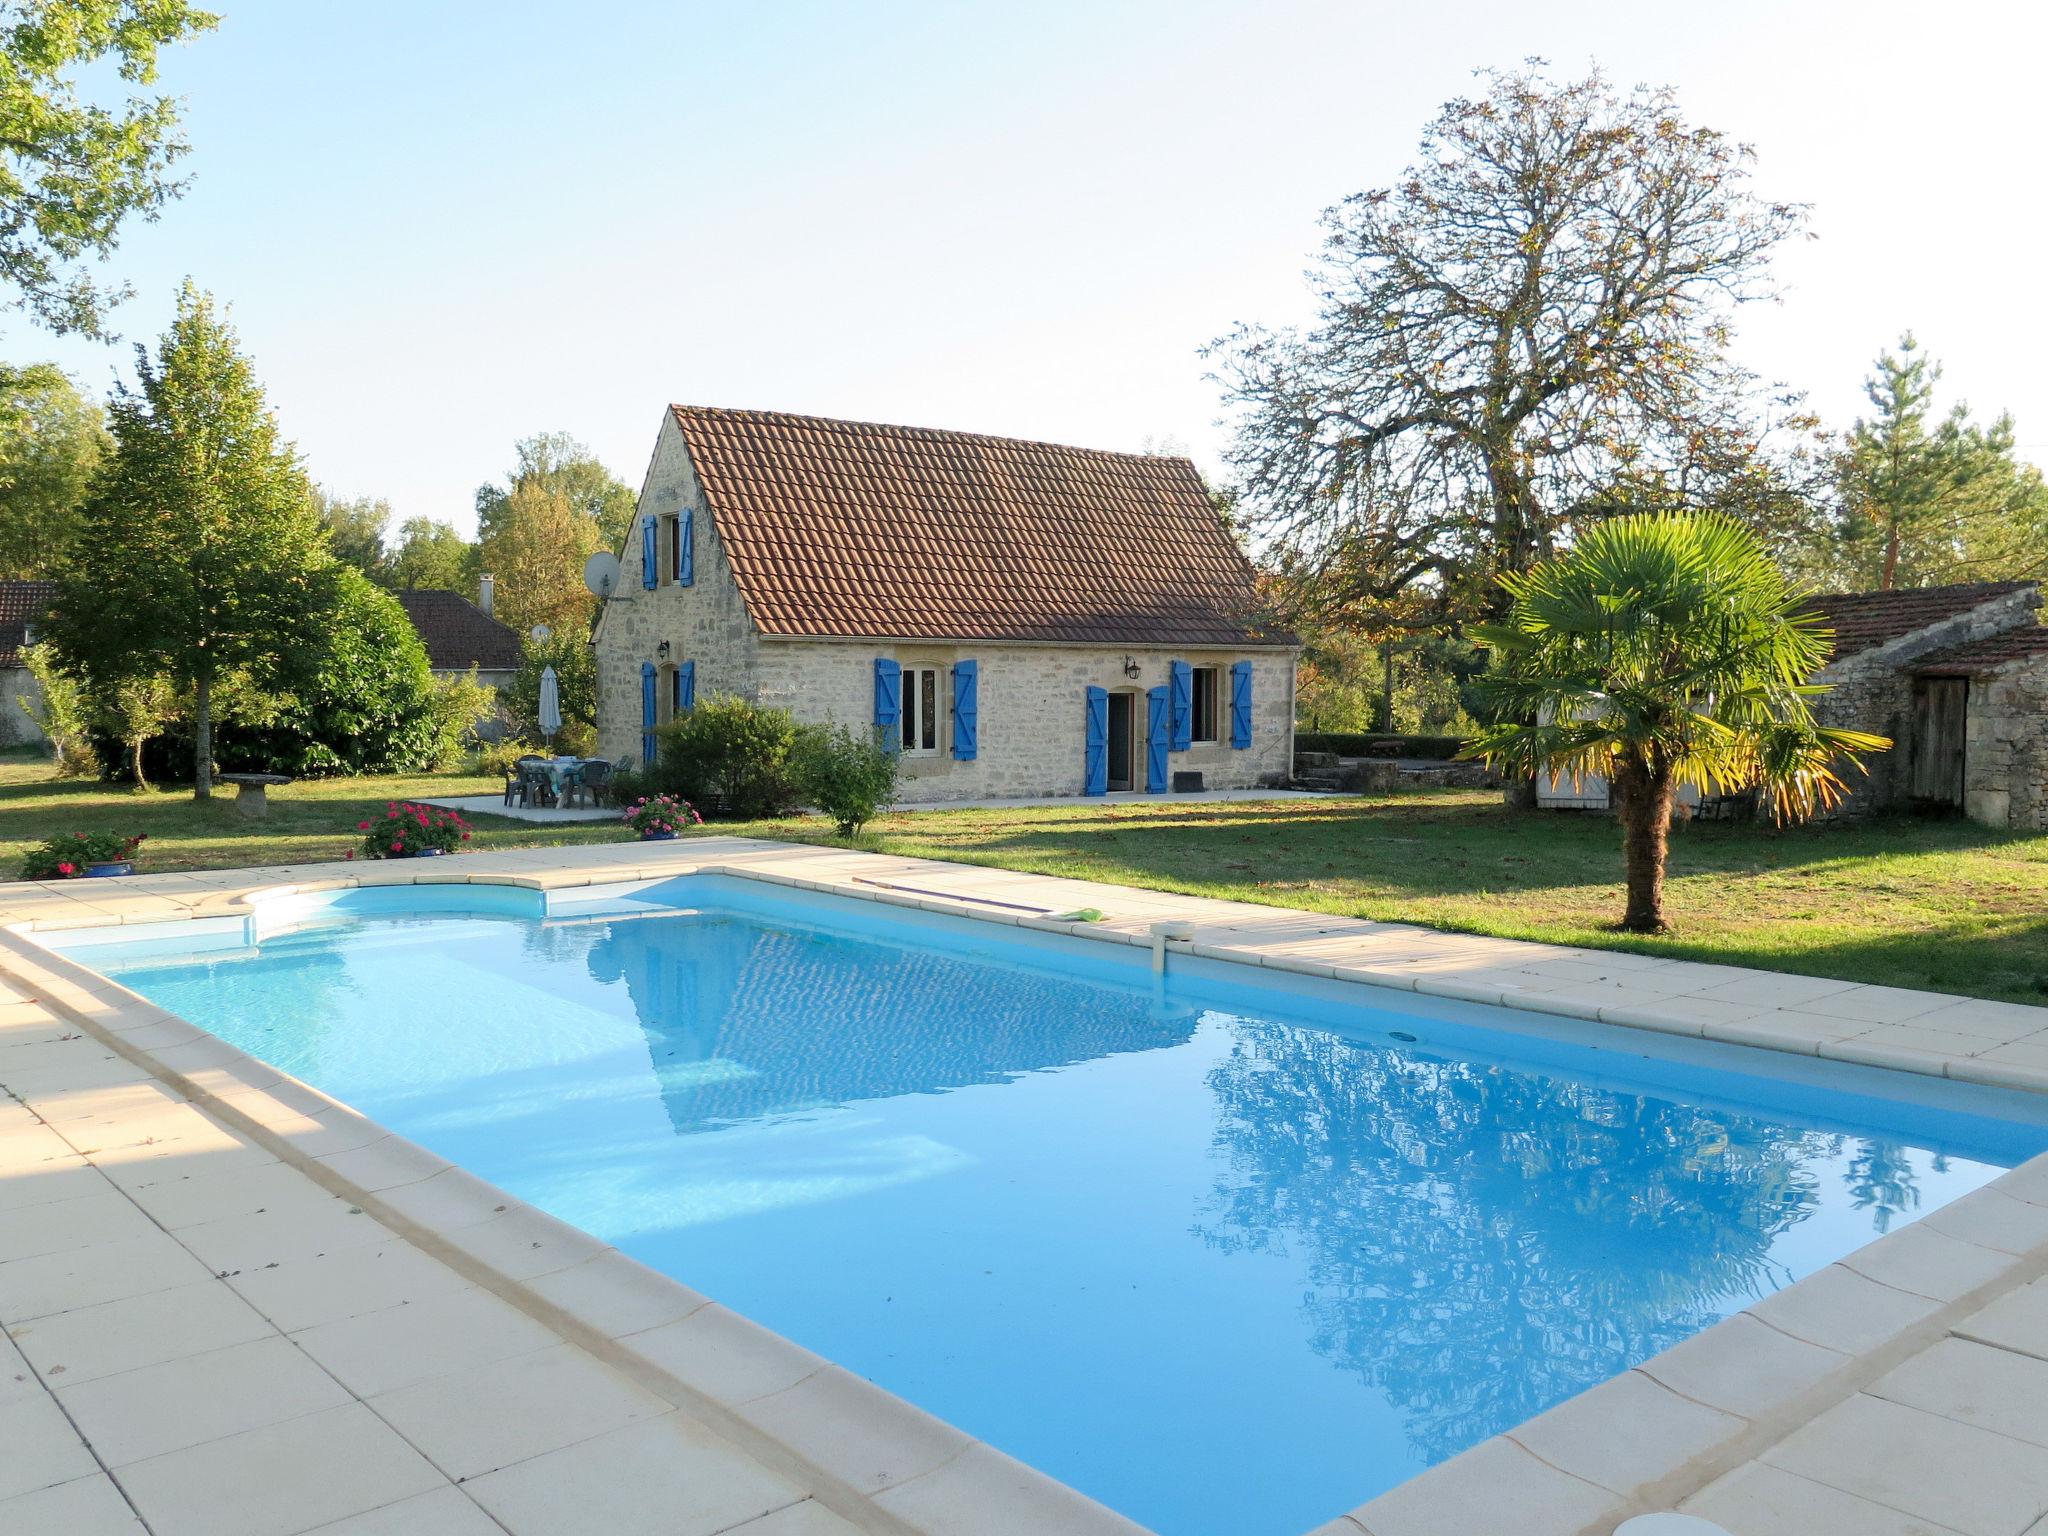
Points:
(1231, 1260)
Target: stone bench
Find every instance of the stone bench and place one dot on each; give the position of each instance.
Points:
(252, 797)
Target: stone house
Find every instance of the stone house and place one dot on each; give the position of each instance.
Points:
(22, 606)
(1956, 676)
(459, 634)
(1019, 619)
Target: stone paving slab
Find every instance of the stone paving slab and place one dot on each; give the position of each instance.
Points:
(382, 1343)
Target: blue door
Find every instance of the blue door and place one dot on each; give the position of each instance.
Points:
(1158, 713)
(1095, 753)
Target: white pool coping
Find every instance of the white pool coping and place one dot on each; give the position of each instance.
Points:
(1759, 1422)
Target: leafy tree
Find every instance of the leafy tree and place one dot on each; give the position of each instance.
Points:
(555, 461)
(71, 171)
(575, 683)
(135, 711)
(1926, 500)
(849, 775)
(355, 531)
(430, 554)
(536, 548)
(1664, 651)
(362, 702)
(1529, 332)
(59, 707)
(459, 705)
(52, 439)
(218, 562)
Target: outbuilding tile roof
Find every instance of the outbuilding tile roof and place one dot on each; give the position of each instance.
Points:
(845, 528)
(1863, 621)
(458, 634)
(1986, 655)
(22, 603)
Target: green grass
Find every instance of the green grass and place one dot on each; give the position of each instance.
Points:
(1901, 902)
(309, 820)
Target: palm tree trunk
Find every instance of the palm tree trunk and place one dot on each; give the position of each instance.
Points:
(1647, 793)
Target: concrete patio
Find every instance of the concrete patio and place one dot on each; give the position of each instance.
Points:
(232, 1307)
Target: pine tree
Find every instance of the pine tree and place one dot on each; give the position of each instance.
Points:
(206, 557)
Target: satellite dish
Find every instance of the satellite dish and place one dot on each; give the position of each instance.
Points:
(601, 572)
(540, 634)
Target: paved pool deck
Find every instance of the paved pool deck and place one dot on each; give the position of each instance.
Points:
(230, 1306)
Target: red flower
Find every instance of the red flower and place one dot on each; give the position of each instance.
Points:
(362, 826)
(465, 837)
(350, 854)
(397, 847)
(67, 869)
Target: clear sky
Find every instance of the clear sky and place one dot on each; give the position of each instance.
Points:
(443, 226)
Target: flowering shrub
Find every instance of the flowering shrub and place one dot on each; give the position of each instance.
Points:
(663, 813)
(406, 830)
(62, 858)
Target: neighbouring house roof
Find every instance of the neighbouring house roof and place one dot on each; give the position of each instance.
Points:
(458, 634)
(1978, 657)
(22, 603)
(1863, 621)
(856, 530)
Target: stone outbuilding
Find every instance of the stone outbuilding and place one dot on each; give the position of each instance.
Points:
(22, 606)
(1018, 618)
(1956, 676)
(459, 634)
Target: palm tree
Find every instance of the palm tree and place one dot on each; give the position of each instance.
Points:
(1662, 651)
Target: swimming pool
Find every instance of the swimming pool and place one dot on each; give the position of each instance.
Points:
(1231, 1253)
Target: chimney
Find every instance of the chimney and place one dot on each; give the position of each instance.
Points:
(486, 588)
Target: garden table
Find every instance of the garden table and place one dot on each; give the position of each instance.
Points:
(252, 797)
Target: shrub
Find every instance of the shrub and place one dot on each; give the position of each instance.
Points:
(849, 775)
(405, 830)
(61, 712)
(365, 703)
(729, 755)
(458, 705)
(1367, 744)
(662, 815)
(69, 856)
(496, 758)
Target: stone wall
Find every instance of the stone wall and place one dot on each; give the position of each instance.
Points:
(1032, 697)
(1873, 691)
(705, 622)
(17, 727)
(2005, 764)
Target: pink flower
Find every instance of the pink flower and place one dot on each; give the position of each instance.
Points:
(398, 847)
(362, 826)
(465, 837)
(350, 854)
(67, 869)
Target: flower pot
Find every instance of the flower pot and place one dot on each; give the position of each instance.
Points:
(109, 869)
(425, 853)
(659, 837)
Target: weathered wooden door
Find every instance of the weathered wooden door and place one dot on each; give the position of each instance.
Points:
(1941, 708)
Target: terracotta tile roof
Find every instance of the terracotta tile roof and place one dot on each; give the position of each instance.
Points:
(843, 528)
(1985, 655)
(1864, 620)
(22, 603)
(457, 633)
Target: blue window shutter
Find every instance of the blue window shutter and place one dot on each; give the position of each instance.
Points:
(1158, 705)
(1240, 704)
(1181, 678)
(686, 687)
(648, 574)
(686, 547)
(646, 715)
(1095, 758)
(889, 702)
(966, 710)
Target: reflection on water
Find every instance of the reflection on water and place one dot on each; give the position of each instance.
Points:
(1451, 1213)
(1228, 1273)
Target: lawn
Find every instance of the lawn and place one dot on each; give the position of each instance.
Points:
(1901, 902)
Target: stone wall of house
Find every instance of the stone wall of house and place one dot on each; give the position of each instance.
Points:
(17, 727)
(1873, 691)
(2005, 764)
(705, 622)
(1032, 710)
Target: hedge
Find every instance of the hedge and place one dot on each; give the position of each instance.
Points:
(1361, 744)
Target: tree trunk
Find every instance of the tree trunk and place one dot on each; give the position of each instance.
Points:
(202, 738)
(135, 744)
(1646, 795)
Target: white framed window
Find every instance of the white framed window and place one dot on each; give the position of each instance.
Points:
(1202, 714)
(921, 707)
